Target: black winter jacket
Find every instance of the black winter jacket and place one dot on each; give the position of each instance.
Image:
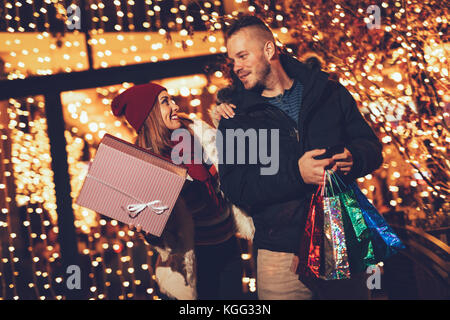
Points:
(328, 116)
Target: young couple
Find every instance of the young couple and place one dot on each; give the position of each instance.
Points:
(269, 91)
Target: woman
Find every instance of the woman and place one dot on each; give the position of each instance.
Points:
(198, 245)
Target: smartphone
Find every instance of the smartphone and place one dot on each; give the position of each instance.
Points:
(331, 151)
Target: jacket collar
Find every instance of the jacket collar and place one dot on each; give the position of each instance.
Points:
(313, 81)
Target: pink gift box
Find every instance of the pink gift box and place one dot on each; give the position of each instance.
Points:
(131, 185)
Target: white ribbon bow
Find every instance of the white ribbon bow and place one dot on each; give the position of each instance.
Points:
(155, 206)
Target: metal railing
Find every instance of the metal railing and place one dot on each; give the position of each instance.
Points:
(422, 271)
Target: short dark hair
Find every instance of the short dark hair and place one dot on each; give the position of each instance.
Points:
(244, 21)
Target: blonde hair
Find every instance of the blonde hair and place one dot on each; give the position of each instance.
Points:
(154, 135)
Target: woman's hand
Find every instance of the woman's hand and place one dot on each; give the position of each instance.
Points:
(136, 228)
(148, 237)
(223, 110)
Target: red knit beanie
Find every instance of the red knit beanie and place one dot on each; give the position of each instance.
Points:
(136, 103)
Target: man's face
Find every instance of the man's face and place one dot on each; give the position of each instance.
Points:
(247, 55)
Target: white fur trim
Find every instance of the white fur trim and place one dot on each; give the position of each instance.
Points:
(173, 284)
(244, 223)
(163, 253)
(207, 137)
(189, 263)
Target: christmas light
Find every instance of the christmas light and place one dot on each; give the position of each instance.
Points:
(398, 74)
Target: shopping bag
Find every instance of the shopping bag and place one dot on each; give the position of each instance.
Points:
(344, 233)
(385, 241)
(335, 248)
(312, 239)
(357, 233)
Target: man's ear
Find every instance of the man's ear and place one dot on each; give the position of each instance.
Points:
(270, 50)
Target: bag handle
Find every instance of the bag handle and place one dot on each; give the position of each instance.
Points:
(329, 175)
(338, 181)
(321, 188)
(339, 178)
(324, 185)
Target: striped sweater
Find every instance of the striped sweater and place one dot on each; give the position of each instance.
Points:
(213, 222)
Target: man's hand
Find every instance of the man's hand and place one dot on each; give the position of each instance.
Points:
(343, 162)
(223, 110)
(311, 169)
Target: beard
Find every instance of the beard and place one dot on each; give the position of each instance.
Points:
(261, 75)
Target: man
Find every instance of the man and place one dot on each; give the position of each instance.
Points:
(311, 112)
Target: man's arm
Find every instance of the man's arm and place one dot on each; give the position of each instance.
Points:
(244, 184)
(363, 144)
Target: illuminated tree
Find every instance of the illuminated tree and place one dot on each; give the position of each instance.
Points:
(392, 57)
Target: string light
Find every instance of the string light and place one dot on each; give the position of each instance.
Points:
(30, 162)
(8, 259)
(401, 90)
(64, 55)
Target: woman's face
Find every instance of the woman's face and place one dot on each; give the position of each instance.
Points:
(169, 111)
